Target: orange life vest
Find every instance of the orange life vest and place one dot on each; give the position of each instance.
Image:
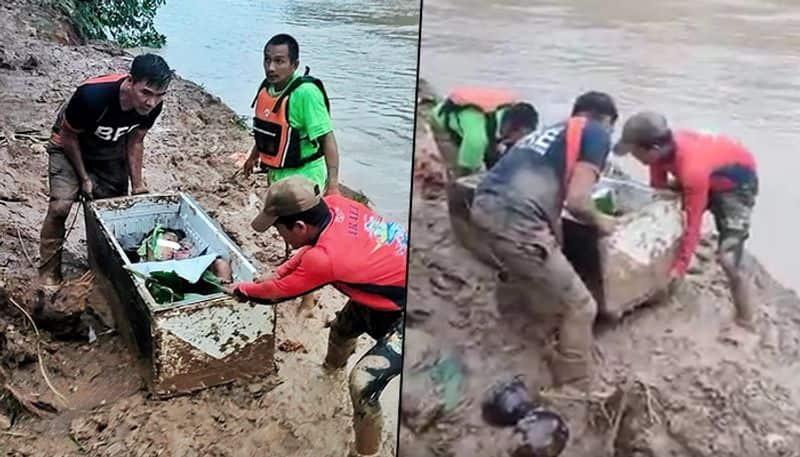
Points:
(482, 98)
(575, 127)
(277, 142)
(487, 100)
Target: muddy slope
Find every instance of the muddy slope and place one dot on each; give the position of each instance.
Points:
(299, 411)
(687, 391)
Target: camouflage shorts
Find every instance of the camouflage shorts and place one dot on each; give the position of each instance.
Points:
(732, 210)
(732, 213)
(382, 363)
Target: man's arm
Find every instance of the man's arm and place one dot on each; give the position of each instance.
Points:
(135, 150)
(251, 161)
(72, 149)
(316, 121)
(311, 272)
(79, 116)
(331, 151)
(594, 148)
(695, 199)
(658, 176)
(579, 198)
(286, 267)
(290, 265)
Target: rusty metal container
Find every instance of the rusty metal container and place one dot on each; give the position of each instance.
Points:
(190, 344)
(630, 267)
(624, 270)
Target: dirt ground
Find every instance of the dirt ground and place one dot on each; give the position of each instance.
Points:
(298, 411)
(688, 390)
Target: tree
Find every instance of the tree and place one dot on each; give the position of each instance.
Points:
(127, 22)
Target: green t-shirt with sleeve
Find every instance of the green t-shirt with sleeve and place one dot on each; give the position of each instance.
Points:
(470, 125)
(309, 116)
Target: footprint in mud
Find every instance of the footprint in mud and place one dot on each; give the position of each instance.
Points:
(736, 335)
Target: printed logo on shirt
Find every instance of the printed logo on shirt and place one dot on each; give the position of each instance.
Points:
(111, 134)
(387, 233)
(540, 142)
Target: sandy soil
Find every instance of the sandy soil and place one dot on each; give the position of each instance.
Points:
(299, 411)
(689, 391)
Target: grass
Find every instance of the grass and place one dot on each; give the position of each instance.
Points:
(361, 197)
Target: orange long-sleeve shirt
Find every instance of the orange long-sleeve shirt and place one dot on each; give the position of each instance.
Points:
(702, 164)
(357, 252)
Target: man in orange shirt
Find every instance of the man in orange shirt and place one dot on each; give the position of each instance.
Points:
(712, 172)
(344, 244)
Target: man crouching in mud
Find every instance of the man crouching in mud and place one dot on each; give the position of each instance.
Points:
(97, 145)
(342, 243)
(711, 172)
(517, 211)
(474, 126)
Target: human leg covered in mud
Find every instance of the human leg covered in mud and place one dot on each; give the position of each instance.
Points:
(64, 188)
(525, 250)
(371, 374)
(732, 212)
(109, 179)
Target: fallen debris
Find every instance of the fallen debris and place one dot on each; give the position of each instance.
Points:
(292, 346)
(61, 311)
(38, 353)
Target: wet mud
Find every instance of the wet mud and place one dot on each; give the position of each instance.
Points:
(671, 378)
(300, 411)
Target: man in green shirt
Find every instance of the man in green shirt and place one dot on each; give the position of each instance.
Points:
(292, 123)
(474, 126)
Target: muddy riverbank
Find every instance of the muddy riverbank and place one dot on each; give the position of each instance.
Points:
(298, 411)
(690, 389)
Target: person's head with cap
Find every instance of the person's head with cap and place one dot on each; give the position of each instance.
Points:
(294, 205)
(597, 106)
(647, 136)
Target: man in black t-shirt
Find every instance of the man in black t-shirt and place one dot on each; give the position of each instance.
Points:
(517, 211)
(97, 145)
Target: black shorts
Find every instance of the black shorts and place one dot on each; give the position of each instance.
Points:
(353, 320)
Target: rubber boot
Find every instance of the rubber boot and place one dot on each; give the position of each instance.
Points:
(741, 291)
(368, 429)
(729, 255)
(50, 250)
(338, 353)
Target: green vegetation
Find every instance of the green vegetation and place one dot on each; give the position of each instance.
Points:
(360, 197)
(127, 22)
(241, 121)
